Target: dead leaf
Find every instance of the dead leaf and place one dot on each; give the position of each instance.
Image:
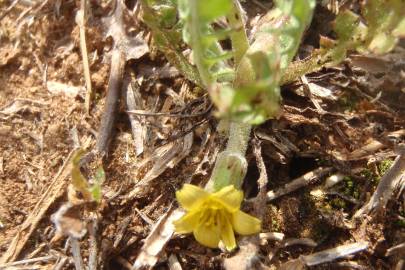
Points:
(160, 234)
(134, 47)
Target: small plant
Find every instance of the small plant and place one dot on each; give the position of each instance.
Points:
(243, 82)
(90, 192)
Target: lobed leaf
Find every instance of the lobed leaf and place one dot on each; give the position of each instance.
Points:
(255, 94)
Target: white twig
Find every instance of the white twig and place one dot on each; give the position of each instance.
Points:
(33, 260)
(385, 189)
(333, 253)
(77, 257)
(93, 244)
(297, 183)
(59, 265)
(276, 236)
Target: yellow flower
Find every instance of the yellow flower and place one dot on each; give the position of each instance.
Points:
(213, 217)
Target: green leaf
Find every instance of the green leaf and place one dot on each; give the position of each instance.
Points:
(209, 10)
(160, 16)
(399, 31)
(95, 190)
(382, 43)
(256, 94)
(80, 183)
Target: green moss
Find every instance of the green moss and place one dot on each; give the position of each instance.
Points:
(338, 203)
(275, 225)
(384, 166)
(370, 176)
(351, 188)
(400, 223)
(320, 231)
(322, 162)
(348, 102)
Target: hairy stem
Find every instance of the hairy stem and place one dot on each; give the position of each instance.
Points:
(231, 165)
(198, 51)
(239, 134)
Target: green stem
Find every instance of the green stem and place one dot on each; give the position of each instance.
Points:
(231, 165)
(197, 46)
(239, 134)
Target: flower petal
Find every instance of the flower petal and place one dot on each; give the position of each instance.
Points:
(207, 235)
(245, 224)
(229, 197)
(187, 223)
(191, 196)
(227, 235)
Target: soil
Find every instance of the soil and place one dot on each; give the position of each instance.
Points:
(41, 124)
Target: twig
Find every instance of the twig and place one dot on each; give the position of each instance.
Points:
(146, 113)
(385, 189)
(395, 249)
(133, 101)
(299, 241)
(38, 259)
(276, 236)
(112, 101)
(81, 18)
(324, 256)
(77, 257)
(334, 253)
(59, 265)
(93, 243)
(297, 183)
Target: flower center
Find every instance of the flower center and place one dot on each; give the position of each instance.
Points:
(211, 214)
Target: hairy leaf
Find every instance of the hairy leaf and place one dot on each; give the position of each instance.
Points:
(198, 31)
(161, 18)
(255, 94)
(379, 32)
